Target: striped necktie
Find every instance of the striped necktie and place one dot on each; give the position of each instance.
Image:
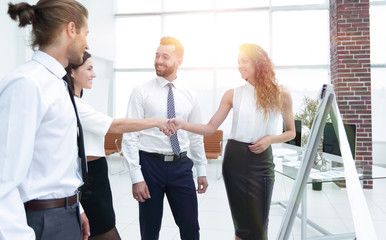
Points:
(172, 114)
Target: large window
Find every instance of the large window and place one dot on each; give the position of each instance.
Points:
(295, 34)
(378, 77)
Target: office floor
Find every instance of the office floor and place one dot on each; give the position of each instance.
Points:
(329, 208)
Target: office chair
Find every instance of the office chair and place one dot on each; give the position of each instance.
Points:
(113, 142)
(213, 145)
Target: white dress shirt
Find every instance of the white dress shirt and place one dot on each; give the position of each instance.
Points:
(95, 126)
(150, 101)
(38, 141)
(248, 123)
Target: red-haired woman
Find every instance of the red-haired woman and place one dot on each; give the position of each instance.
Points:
(248, 167)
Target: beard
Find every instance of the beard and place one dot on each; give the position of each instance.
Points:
(75, 55)
(76, 59)
(167, 71)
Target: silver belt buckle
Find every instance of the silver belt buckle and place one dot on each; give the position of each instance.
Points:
(169, 158)
(77, 197)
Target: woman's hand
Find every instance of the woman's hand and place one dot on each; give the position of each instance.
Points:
(260, 145)
(172, 126)
(176, 123)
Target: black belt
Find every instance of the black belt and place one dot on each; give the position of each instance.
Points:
(52, 203)
(165, 158)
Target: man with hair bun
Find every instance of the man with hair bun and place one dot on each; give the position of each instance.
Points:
(40, 166)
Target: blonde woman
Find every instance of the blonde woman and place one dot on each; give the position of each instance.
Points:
(248, 167)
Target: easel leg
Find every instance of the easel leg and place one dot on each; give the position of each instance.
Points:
(304, 214)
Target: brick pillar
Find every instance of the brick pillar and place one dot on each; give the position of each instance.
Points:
(350, 72)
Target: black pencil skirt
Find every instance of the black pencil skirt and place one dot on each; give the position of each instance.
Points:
(249, 180)
(97, 200)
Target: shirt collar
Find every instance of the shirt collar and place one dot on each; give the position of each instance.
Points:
(163, 82)
(50, 63)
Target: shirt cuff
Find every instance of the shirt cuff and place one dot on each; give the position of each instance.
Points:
(136, 176)
(201, 170)
(81, 210)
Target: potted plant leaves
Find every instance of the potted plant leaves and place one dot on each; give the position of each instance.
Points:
(307, 115)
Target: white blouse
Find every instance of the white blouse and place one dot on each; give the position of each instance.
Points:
(95, 126)
(248, 123)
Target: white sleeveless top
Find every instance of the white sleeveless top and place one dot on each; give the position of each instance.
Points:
(248, 123)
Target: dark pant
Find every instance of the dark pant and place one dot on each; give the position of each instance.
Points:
(56, 223)
(176, 180)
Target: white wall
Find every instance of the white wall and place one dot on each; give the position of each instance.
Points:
(101, 40)
(12, 42)
(100, 97)
(101, 23)
(15, 48)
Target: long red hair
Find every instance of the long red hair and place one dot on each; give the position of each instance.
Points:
(267, 89)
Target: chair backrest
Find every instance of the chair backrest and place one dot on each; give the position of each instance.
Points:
(213, 145)
(110, 146)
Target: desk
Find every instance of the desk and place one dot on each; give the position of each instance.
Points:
(287, 159)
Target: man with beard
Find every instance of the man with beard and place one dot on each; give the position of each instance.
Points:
(158, 164)
(39, 159)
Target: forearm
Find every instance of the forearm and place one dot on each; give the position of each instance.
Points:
(216, 120)
(124, 125)
(203, 129)
(284, 137)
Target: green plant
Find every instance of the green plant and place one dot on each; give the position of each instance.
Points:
(307, 115)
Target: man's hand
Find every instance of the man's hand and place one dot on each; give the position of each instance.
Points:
(85, 226)
(140, 191)
(166, 127)
(173, 125)
(202, 184)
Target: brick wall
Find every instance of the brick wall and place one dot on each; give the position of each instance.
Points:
(350, 72)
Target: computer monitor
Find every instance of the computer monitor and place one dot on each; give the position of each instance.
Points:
(330, 141)
(297, 141)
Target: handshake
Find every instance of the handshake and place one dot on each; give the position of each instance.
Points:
(170, 126)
